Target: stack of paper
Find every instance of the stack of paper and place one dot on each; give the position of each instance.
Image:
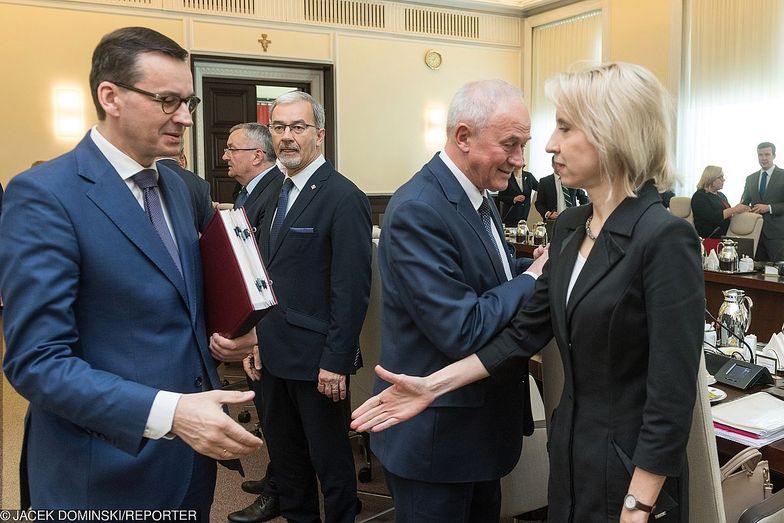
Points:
(754, 420)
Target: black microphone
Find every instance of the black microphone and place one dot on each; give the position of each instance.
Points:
(714, 231)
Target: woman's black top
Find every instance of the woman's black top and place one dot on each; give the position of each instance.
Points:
(708, 210)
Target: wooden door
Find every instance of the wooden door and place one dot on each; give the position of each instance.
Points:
(227, 102)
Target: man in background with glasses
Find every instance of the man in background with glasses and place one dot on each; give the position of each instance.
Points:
(251, 158)
(315, 238)
(100, 270)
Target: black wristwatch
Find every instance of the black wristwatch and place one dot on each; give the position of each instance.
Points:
(632, 503)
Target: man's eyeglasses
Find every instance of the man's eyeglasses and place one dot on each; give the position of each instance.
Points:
(232, 150)
(169, 103)
(296, 128)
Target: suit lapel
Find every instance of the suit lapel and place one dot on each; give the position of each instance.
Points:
(603, 256)
(186, 239)
(455, 193)
(775, 186)
(306, 195)
(110, 194)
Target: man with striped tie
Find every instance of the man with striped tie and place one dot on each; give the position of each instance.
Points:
(552, 197)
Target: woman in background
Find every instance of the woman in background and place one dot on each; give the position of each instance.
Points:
(709, 206)
(623, 296)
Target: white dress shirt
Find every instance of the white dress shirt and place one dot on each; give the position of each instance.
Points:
(300, 180)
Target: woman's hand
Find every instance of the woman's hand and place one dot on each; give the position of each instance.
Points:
(407, 397)
(634, 516)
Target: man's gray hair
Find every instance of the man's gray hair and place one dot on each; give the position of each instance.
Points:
(302, 96)
(476, 102)
(260, 136)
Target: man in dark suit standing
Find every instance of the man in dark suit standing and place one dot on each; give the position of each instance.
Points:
(552, 197)
(764, 192)
(251, 158)
(515, 200)
(317, 249)
(101, 274)
(199, 189)
(449, 285)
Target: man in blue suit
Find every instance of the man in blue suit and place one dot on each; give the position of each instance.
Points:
(449, 285)
(100, 270)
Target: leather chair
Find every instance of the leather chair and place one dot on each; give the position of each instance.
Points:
(525, 488)
(533, 215)
(361, 384)
(680, 206)
(746, 225)
(706, 500)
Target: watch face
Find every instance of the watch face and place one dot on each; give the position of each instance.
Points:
(630, 502)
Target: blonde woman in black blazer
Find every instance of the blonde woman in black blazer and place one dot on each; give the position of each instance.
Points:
(628, 322)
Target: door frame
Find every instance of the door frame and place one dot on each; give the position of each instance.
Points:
(320, 76)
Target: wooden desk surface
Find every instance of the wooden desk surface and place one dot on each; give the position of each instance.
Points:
(773, 452)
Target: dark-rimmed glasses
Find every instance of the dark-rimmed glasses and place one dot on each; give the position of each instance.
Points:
(169, 103)
(296, 128)
(231, 150)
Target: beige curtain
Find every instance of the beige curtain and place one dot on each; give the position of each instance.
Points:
(568, 44)
(732, 95)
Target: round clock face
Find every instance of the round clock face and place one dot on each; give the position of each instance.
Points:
(433, 59)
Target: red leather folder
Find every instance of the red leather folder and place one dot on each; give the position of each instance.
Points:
(237, 289)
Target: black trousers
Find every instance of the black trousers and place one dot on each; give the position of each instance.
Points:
(307, 437)
(424, 502)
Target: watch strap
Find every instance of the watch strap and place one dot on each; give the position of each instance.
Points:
(639, 505)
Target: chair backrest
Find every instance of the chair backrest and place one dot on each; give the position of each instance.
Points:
(533, 215)
(680, 206)
(525, 488)
(552, 377)
(706, 502)
(746, 225)
(370, 336)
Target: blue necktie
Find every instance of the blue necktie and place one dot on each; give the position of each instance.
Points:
(763, 183)
(280, 215)
(487, 220)
(147, 182)
(242, 197)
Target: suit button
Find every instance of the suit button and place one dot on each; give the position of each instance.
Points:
(198, 382)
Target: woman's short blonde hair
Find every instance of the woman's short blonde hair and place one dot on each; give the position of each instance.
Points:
(709, 175)
(626, 115)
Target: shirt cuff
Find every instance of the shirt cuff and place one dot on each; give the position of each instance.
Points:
(532, 275)
(159, 422)
(770, 209)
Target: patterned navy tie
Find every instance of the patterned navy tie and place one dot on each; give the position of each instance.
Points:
(487, 220)
(242, 197)
(147, 182)
(763, 183)
(280, 215)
